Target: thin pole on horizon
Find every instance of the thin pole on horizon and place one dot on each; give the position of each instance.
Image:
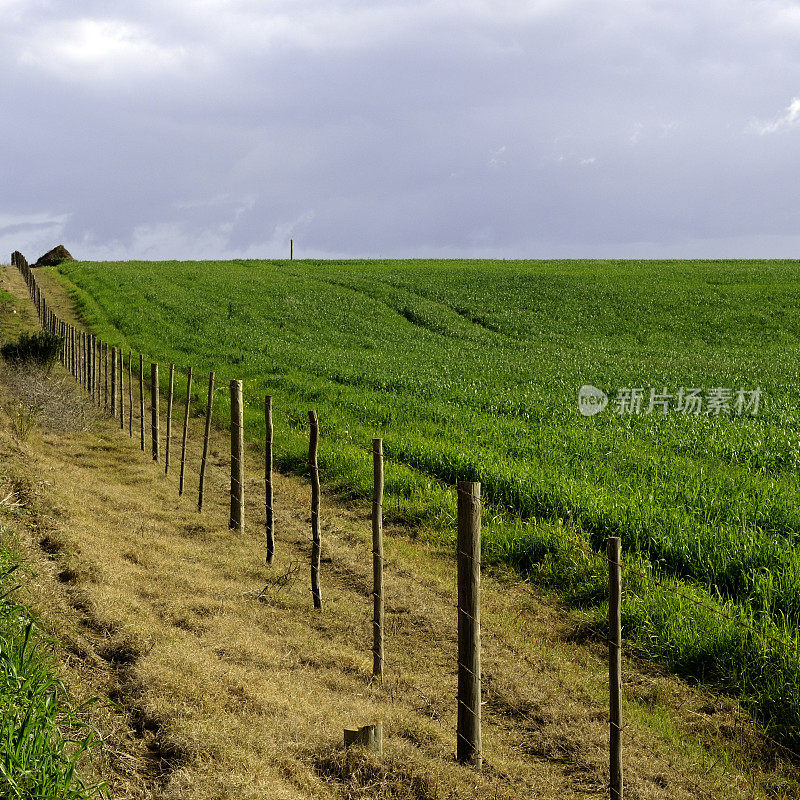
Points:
(291, 249)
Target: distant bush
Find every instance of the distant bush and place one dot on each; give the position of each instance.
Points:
(41, 348)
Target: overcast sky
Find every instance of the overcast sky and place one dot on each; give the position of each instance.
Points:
(550, 128)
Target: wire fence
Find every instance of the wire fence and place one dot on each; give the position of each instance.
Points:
(204, 470)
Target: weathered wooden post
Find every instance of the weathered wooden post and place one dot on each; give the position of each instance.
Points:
(236, 521)
(169, 416)
(206, 436)
(185, 429)
(121, 389)
(615, 664)
(268, 491)
(114, 382)
(154, 419)
(130, 393)
(141, 398)
(377, 558)
(468, 748)
(316, 544)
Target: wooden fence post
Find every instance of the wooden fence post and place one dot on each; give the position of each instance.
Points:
(94, 368)
(377, 558)
(169, 416)
(237, 457)
(154, 434)
(268, 492)
(316, 544)
(141, 398)
(468, 748)
(105, 371)
(121, 389)
(114, 382)
(615, 664)
(130, 394)
(185, 429)
(209, 408)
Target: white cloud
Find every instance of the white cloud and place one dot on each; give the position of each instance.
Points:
(496, 156)
(99, 49)
(32, 234)
(789, 118)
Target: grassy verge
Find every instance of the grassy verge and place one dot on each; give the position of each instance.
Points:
(42, 737)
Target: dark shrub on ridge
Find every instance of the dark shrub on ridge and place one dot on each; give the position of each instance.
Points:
(41, 348)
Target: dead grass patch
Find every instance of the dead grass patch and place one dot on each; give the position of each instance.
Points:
(360, 774)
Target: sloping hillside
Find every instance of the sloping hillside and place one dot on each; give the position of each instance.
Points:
(228, 684)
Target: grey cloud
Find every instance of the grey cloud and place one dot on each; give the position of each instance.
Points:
(368, 128)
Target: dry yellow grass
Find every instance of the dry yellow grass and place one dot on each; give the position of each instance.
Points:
(229, 684)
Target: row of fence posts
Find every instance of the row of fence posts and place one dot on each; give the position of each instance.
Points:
(83, 355)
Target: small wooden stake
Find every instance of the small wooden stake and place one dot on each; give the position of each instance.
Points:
(154, 420)
(236, 521)
(615, 664)
(316, 544)
(170, 393)
(268, 493)
(369, 737)
(377, 558)
(209, 407)
(468, 747)
(105, 373)
(185, 429)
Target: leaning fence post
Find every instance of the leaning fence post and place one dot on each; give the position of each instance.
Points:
(615, 664)
(130, 394)
(169, 416)
(209, 407)
(377, 558)
(468, 747)
(154, 435)
(185, 429)
(237, 458)
(268, 492)
(316, 544)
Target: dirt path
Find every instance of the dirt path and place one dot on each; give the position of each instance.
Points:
(231, 685)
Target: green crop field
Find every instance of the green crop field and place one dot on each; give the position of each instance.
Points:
(471, 370)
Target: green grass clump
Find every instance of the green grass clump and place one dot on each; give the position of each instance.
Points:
(469, 370)
(42, 738)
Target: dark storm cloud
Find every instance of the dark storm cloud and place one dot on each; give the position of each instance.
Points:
(388, 128)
